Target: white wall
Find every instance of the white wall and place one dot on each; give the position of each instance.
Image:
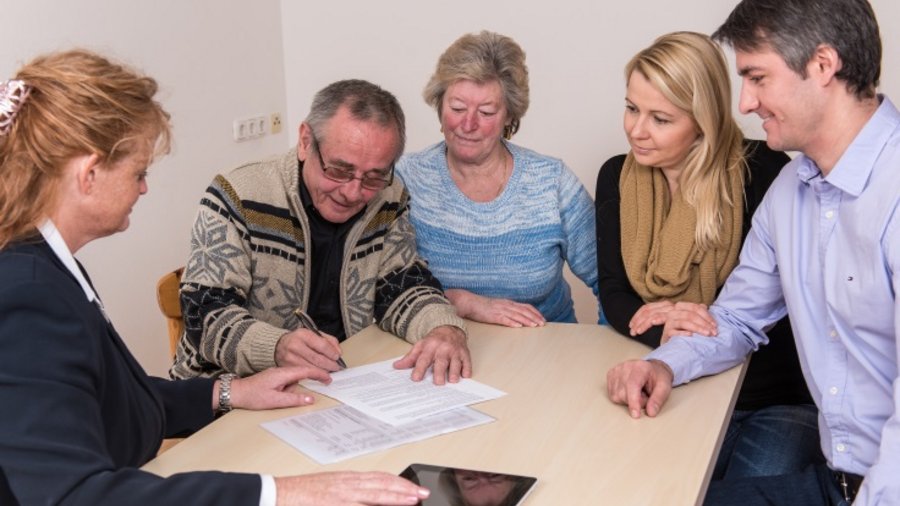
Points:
(215, 60)
(576, 50)
(220, 60)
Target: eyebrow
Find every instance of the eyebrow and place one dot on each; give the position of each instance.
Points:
(652, 111)
(743, 71)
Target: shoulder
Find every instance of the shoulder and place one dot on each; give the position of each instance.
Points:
(763, 166)
(762, 159)
(529, 158)
(28, 263)
(608, 177)
(411, 166)
(269, 181)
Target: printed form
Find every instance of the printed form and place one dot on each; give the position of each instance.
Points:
(339, 433)
(389, 395)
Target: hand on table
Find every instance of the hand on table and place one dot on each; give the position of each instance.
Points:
(444, 350)
(272, 388)
(640, 384)
(497, 311)
(687, 318)
(649, 315)
(347, 487)
(304, 347)
(678, 318)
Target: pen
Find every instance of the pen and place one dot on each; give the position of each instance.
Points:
(308, 322)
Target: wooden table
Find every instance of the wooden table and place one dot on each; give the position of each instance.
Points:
(556, 423)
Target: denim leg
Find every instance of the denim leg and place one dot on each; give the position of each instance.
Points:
(771, 441)
(813, 486)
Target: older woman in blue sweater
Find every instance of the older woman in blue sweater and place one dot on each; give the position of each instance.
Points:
(496, 221)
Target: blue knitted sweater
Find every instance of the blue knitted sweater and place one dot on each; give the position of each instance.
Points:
(514, 246)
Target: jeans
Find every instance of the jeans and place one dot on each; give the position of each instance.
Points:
(771, 441)
(814, 486)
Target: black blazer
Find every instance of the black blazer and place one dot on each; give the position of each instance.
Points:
(79, 413)
(774, 376)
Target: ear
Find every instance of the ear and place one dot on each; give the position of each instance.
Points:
(304, 141)
(824, 64)
(87, 168)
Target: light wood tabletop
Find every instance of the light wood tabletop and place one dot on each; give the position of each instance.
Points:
(556, 423)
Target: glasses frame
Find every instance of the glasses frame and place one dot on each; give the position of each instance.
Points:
(347, 176)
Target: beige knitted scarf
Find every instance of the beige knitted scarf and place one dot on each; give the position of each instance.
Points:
(659, 249)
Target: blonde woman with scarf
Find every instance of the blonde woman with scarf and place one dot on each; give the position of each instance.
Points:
(671, 217)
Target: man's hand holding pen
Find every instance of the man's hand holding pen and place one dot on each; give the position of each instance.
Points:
(307, 346)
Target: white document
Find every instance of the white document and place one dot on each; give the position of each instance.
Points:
(339, 433)
(388, 394)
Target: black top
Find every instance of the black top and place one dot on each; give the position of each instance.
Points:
(327, 258)
(774, 376)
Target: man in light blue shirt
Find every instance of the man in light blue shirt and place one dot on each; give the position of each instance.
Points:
(824, 248)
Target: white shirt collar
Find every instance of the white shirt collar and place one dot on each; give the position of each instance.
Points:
(58, 245)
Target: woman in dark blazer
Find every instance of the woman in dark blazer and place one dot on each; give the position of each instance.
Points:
(671, 217)
(77, 133)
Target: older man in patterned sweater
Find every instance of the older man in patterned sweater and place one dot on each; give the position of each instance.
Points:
(322, 231)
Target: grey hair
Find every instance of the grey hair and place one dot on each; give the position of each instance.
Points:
(365, 101)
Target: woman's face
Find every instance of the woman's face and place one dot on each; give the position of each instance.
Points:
(117, 189)
(660, 134)
(472, 118)
(483, 489)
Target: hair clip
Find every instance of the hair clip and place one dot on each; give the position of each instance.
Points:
(13, 94)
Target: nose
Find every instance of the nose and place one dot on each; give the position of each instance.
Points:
(748, 102)
(470, 121)
(144, 187)
(636, 127)
(352, 190)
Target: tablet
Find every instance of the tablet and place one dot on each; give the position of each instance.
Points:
(451, 486)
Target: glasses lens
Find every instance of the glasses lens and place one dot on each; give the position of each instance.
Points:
(374, 183)
(338, 175)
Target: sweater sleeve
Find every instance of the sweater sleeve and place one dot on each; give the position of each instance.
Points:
(409, 300)
(577, 217)
(215, 287)
(619, 300)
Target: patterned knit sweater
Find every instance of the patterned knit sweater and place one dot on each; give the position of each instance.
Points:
(249, 270)
(513, 247)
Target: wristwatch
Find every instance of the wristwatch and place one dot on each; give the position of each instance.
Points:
(225, 392)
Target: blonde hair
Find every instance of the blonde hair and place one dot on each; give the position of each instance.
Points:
(689, 69)
(80, 104)
(484, 57)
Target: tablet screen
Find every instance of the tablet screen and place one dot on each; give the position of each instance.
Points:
(464, 487)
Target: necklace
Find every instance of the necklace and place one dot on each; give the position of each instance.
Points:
(486, 185)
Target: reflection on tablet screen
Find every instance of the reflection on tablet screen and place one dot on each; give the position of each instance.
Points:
(463, 487)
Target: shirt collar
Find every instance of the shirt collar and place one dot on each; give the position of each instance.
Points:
(851, 173)
(58, 245)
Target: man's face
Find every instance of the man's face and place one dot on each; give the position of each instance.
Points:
(362, 146)
(790, 106)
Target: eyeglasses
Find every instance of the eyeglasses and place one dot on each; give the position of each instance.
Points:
(345, 175)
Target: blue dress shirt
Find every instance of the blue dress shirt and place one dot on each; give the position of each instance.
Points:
(826, 250)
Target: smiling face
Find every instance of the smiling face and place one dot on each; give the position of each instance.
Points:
(788, 104)
(472, 118)
(352, 144)
(660, 134)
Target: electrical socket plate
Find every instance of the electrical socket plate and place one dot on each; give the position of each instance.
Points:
(275, 124)
(249, 128)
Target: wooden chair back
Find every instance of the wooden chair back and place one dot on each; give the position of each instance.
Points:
(169, 303)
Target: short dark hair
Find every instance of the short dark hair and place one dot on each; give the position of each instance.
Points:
(366, 101)
(795, 28)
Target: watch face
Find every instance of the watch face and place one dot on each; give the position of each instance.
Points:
(466, 487)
